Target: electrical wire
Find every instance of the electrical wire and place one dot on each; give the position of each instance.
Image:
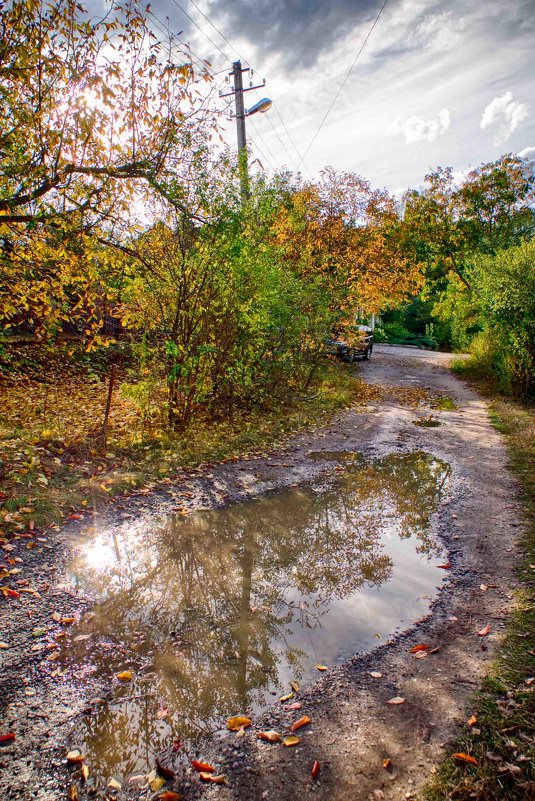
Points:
(337, 95)
(245, 61)
(225, 56)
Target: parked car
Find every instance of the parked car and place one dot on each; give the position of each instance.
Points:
(362, 345)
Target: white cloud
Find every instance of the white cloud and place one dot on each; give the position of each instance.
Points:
(528, 153)
(506, 113)
(438, 32)
(415, 128)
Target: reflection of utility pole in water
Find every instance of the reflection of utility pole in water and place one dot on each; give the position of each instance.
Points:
(244, 625)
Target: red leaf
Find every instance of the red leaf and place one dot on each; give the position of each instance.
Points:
(445, 567)
(202, 766)
(7, 738)
(420, 647)
(465, 758)
(315, 769)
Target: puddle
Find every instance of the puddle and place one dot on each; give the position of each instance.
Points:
(216, 612)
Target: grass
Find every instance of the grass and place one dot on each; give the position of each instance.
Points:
(52, 464)
(503, 739)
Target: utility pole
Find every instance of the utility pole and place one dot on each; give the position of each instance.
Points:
(240, 115)
(237, 74)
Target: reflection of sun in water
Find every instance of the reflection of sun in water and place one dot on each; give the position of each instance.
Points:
(99, 555)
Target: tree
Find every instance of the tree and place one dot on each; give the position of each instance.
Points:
(98, 118)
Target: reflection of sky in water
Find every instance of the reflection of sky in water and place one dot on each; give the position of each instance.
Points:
(219, 610)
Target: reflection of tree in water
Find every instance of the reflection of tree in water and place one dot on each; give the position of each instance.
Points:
(187, 594)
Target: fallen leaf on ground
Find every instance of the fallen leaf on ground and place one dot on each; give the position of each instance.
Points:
(81, 637)
(269, 736)
(387, 764)
(444, 567)
(284, 698)
(376, 675)
(295, 686)
(299, 723)
(125, 675)
(484, 631)
(4, 645)
(169, 796)
(74, 757)
(156, 784)
(208, 777)
(202, 766)
(7, 738)
(241, 732)
(315, 769)
(292, 707)
(234, 724)
(66, 621)
(321, 667)
(114, 784)
(397, 700)
(416, 648)
(72, 793)
(435, 650)
(465, 758)
(56, 617)
(472, 720)
(292, 740)
(163, 770)
(483, 587)
(85, 772)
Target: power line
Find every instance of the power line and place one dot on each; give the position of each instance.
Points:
(216, 29)
(337, 95)
(201, 30)
(160, 25)
(222, 35)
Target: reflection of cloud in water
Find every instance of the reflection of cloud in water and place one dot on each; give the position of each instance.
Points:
(326, 569)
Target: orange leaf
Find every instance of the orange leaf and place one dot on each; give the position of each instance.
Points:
(445, 567)
(472, 720)
(321, 667)
(387, 764)
(207, 777)
(301, 722)
(72, 794)
(315, 769)
(235, 724)
(125, 675)
(416, 648)
(465, 758)
(484, 631)
(169, 796)
(269, 736)
(202, 766)
(289, 741)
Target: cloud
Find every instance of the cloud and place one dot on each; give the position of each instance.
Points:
(505, 113)
(438, 32)
(414, 129)
(528, 153)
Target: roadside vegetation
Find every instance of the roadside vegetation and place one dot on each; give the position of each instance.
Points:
(499, 734)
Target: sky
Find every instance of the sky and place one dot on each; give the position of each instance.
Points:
(438, 83)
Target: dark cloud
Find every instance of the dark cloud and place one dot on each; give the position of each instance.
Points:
(298, 30)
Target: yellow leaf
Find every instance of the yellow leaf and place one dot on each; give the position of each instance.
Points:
(126, 675)
(286, 697)
(236, 723)
(321, 667)
(292, 740)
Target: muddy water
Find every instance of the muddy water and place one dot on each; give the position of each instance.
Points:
(216, 612)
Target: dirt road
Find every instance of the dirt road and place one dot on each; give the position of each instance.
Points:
(353, 728)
